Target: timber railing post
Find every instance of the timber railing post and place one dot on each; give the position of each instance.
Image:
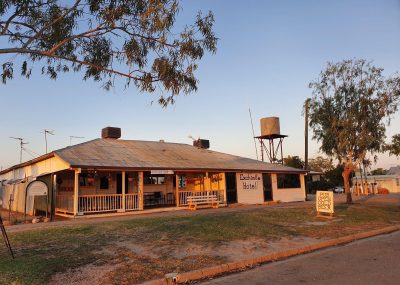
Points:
(123, 191)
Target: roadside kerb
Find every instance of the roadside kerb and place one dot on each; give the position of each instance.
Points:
(249, 263)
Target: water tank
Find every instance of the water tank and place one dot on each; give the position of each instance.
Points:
(270, 126)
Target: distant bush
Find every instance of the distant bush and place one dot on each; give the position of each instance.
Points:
(319, 185)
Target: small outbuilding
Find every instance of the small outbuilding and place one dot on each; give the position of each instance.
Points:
(109, 175)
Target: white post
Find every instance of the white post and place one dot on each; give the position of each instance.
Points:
(140, 190)
(76, 191)
(123, 191)
(303, 185)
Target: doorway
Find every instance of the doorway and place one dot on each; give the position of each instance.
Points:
(231, 191)
(119, 183)
(267, 187)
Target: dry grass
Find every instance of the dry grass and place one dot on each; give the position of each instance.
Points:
(43, 253)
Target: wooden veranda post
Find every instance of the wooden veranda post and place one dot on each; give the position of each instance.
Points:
(177, 190)
(76, 191)
(140, 190)
(123, 191)
(224, 185)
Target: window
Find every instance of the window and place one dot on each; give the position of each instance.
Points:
(153, 179)
(104, 184)
(181, 181)
(85, 180)
(289, 181)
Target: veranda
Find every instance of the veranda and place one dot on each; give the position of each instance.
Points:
(88, 191)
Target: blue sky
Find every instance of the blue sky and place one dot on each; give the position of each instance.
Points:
(267, 54)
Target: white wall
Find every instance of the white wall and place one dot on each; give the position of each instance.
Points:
(290, 194)
(27, 173)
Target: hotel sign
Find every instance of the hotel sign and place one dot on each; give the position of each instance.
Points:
(162, 172)
(249, 181)
(250, 188)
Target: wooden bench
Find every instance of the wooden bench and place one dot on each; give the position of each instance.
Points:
(205, 200)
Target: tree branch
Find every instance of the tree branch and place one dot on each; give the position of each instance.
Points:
(69, 39)
(38, 34)
(98, 67)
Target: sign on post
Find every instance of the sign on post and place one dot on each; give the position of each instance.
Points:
(324, 203)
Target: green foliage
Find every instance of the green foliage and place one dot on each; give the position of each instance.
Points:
(350, 103)
(334, 176)
(320, 164)
(135, 40)
(293, 161)
(313, 186)
(394, 146)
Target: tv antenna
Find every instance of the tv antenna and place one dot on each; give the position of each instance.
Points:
(45, 132)
(21, 142)
(191, 137)
(74, 137)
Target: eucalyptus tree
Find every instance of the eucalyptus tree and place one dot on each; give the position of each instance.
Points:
(351, 105)
(104, 39)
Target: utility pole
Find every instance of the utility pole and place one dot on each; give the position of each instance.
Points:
(306, 109)
(45, 131)
(21, 141)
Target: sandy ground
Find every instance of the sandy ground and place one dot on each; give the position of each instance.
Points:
(230, 251)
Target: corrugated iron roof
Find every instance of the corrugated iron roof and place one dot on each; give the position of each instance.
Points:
(134, 154)
(394, 170)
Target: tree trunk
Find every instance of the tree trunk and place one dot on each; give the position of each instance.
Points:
(346, 173)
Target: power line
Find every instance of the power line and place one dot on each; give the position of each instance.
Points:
(31, 152)
(254, 136)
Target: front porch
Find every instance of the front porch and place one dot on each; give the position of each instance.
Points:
(85, 192)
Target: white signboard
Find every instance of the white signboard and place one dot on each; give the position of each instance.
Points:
(249, 188)
(162, 172)
(324, 202)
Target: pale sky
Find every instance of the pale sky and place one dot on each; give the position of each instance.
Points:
(267, 54)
